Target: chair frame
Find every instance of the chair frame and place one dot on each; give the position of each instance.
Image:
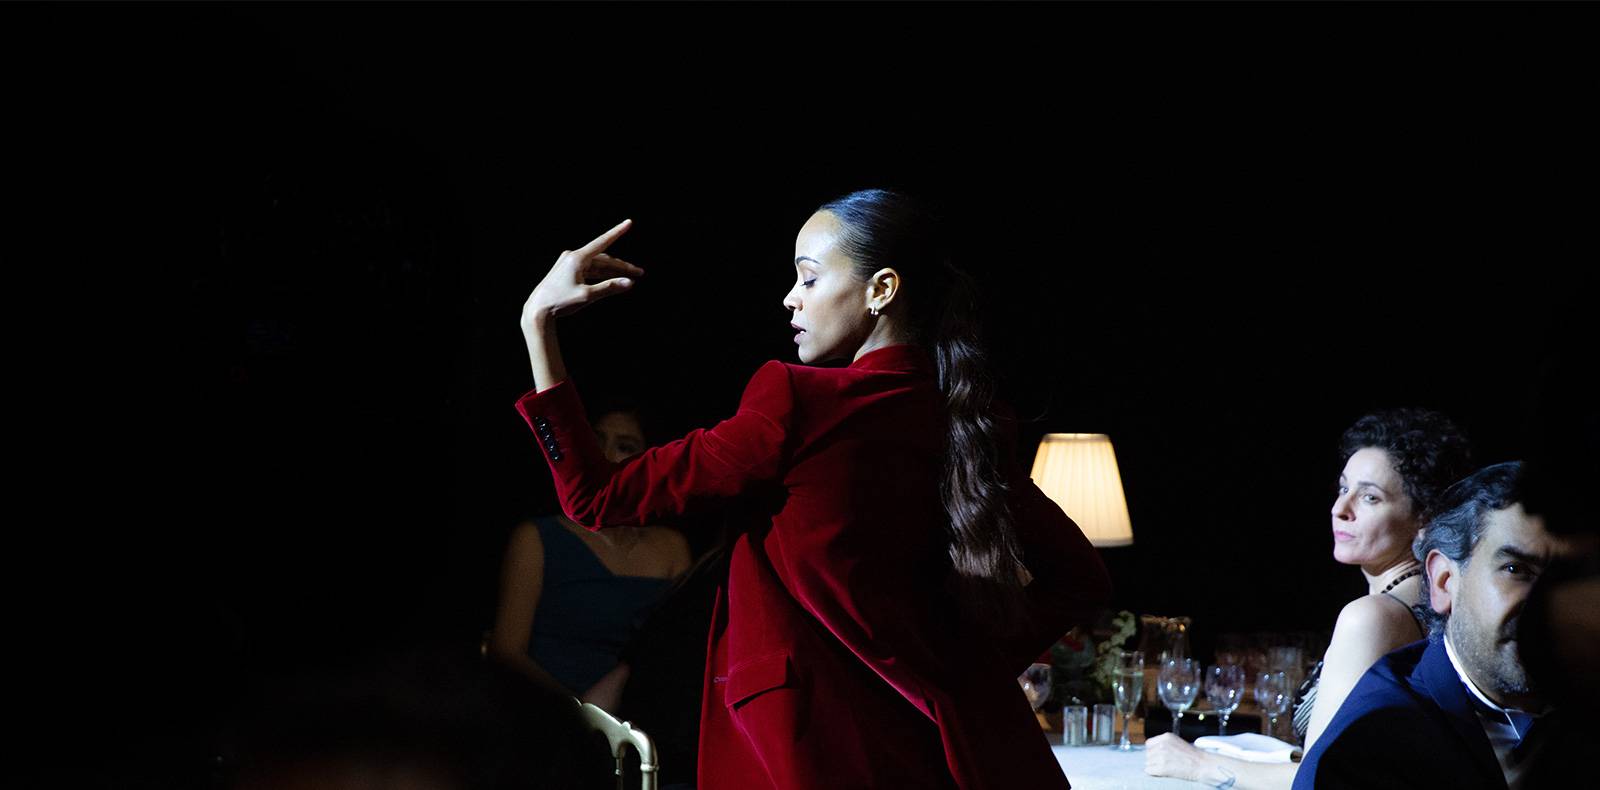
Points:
(621, 734)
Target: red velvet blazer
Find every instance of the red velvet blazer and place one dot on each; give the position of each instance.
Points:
(835, 656)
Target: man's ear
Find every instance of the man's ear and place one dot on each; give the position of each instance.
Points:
(1442, 581)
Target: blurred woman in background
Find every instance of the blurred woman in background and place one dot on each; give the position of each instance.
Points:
(571, 600)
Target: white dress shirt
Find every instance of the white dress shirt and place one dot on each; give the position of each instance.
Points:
(1497, 724)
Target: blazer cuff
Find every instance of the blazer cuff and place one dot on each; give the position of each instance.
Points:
(551, 414)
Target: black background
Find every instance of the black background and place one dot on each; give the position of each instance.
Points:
(296, 240)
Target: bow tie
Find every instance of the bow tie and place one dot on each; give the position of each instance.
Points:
(1520, 721)
(1534, 731)
(1523, 722)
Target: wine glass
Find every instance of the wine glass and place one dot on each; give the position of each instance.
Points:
(1128, 688)
(1035, 682)
(1176, 640)
(1273, 694)
(1178, 684)
(1290, 659)
(1225, 689)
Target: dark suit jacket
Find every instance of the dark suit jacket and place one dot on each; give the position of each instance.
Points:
(835, 659)
(1408, 723)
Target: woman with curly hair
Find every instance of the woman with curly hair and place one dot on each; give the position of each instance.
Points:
(1397, 464)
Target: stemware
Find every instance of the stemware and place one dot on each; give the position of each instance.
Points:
(1178, 684)
(1273, 694)
(1035, 682)
(1225, 689)
(1164, 637)
(1127, 688)
(1290, 659)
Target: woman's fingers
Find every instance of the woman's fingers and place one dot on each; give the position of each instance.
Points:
(582, 276)
(611, 287)
(613, 263)
(604, 240)
(603, 266)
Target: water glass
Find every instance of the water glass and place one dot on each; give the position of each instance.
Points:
(1105, 723)
(1075, 725)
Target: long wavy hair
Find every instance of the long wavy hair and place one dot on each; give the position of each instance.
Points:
(883, 228)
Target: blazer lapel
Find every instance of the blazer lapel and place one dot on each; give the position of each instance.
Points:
(1438, 677)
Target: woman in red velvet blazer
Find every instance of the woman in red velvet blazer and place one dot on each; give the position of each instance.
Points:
(905, 570)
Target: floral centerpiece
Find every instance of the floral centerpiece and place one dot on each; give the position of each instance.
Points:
(1084, 662)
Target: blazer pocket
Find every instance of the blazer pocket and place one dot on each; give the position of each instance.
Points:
(757, 675)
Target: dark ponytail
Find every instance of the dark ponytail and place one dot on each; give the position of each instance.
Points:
(889, 229)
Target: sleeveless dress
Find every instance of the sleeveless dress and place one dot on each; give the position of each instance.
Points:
(586, 615)
(1306, 699)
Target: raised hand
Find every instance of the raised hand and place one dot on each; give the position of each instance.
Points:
(579, 278)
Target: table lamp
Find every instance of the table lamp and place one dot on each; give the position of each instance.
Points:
(1079, 472)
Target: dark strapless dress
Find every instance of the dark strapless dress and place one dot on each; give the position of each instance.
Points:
(587, 615)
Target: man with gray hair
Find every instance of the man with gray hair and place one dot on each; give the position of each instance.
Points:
(1454, 710)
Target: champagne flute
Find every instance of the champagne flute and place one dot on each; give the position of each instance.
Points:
(1273, 694)
(1225, 689)
(1128, 687)
(1178, 684)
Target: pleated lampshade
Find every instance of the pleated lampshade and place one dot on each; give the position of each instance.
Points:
(1079, 472)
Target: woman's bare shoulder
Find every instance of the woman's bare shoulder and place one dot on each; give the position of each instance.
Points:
(526, 533)
(667, 539)
(663, 535)
(1376, 620)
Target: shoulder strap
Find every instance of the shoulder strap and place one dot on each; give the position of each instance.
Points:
(1422, 628)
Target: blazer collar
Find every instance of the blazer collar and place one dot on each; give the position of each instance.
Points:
(905, 357)
(1444, 685)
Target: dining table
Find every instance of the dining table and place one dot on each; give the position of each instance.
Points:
(1100, 767)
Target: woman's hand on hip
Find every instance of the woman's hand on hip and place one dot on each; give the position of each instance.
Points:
(580, 277)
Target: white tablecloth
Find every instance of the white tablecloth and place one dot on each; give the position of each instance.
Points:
(1102, 768)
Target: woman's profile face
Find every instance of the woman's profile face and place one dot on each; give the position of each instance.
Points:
(1373, 522)
(828, 304)
(620, 435)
